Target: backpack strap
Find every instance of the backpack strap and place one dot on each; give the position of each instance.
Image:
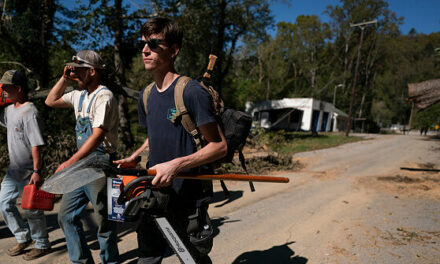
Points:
(145, 95)
(181, 110)
(183, 113)
(243, 165)
(187, 121)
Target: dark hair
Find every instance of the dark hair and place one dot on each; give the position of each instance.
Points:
(21, 80)
(171, 31)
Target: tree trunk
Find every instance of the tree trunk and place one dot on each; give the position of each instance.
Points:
(268, 89)
(47, 10)
(221, 27)
(313, 73)
(124, 123)
(362, 104)
(260, 65)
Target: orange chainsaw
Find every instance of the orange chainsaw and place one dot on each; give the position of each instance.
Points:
(3, 99)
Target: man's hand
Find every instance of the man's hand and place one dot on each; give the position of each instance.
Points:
(69, 75)
(165, 173)
(64, 165)
(36, 179)
(129, 162)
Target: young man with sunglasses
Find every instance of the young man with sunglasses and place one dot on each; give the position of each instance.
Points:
(96, 128)
(172, 150)
(25, 141)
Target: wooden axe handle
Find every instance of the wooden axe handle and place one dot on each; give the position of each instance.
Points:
(234, 177)
(193, 176)
(212, 60)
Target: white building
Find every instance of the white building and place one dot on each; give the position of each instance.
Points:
(306, 114)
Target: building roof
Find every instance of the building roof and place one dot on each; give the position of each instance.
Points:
(297, 103)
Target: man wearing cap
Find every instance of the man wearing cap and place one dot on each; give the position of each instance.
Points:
(24, 145)
(96, 132)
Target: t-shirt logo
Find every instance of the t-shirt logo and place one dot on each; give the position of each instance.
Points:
(171, 113)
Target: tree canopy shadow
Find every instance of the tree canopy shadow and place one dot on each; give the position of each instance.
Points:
(217, 222)
(4, 230)
(129, 255)
(281, 254)
(89, 226)
(220, 196)
(431, 138)
(51, 223)
(91, 229)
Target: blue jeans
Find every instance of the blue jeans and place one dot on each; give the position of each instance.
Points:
(72, 204)
(10, 189)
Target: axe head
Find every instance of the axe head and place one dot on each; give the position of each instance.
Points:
(83, 172)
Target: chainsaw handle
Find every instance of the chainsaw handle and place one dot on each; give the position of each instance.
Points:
(135, 172)
(126, 189)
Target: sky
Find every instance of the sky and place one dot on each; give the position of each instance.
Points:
(423, 15)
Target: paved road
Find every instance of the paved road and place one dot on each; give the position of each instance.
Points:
(350, 204)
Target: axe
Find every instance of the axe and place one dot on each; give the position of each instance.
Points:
(95, 166)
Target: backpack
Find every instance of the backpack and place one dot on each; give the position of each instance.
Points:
(235, 124)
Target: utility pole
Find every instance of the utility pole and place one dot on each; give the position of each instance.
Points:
(350, 113)
(410, 116)
(334, 93)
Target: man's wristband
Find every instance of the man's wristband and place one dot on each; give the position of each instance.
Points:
(37, 171)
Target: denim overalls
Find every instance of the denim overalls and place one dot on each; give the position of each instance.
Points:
(83, 126)
(75, 202)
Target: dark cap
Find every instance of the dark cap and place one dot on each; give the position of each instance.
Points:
(87, 59)
(14, 77)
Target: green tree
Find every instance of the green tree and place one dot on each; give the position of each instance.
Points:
(428, 117)
(303, 43)
(111, 28)
(292, 64)
(28, 45)
(346, 39)
(217, 27)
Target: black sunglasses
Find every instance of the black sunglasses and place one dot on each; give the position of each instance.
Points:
(152, 43)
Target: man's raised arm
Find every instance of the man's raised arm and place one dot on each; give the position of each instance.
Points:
(54, 99)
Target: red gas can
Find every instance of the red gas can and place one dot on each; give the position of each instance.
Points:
(36, 199)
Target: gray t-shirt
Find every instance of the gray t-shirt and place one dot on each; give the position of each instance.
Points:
(23, 132)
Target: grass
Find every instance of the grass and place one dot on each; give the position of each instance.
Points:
(303, 143)
(280, 146)
(294, 142)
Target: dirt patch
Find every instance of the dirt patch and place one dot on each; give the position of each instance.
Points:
(405, 236)
(340, 251)
(399, 178)
(327, 175)
(306, 161)
(422, 184)
(428, 166)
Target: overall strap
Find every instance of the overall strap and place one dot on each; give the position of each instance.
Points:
(91, 100)
(182, 112)
(145, 95)
(81, 100)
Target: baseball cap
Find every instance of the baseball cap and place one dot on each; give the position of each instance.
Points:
(87, 59)
(14, 77)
